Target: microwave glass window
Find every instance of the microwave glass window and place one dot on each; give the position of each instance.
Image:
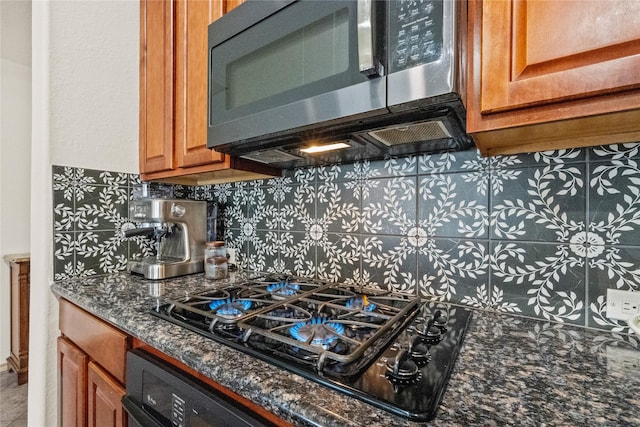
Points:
(313, 53)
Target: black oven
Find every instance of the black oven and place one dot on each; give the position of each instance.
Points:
(160, 395)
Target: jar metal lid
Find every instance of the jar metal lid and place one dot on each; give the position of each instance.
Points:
(216, 244)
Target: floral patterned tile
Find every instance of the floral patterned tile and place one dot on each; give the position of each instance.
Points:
(106, 208)
(334, 173)
(449, 207)
(614, 152)
(263, 210)
(235, 212)
(467, 160)
(611, 267)
(339, 257)
(101, 251)
(223, 193)
(301, 176)
(134, 179)
(368, 170)
(279, 188)
(263, 251)
(543, 158)
(389, 262)
(298, 253)
(298, 208)
(614, 202)
(449, 269)
(541, 204)
(561, 238)
(391, 208)
(338, 206)
(63, 255)
(64, 214)
(539, 279)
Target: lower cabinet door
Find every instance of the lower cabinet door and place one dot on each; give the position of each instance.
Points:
(104, 395)
(72, 367)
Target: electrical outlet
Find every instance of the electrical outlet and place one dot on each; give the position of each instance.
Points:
(231, 256)
(622, 304)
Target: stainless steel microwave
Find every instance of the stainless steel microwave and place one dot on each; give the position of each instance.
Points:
(307, 82)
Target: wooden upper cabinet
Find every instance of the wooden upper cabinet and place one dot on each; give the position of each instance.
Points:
(192, 21)
(553, 74)
(156, 85)
(173, 96)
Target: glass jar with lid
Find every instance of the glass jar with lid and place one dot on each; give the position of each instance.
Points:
(215, 260)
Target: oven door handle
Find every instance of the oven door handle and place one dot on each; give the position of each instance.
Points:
(139, 415)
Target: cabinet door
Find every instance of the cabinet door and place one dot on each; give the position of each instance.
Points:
(156, 85)
(536, 52)
(192, 21)
(72, 368)
(548, 74)
(104, 396)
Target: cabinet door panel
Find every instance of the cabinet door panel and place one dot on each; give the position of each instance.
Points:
(105, 394)
(72, 368)
(99, 340)
(537, 52)
(156, 85)
(192, 20)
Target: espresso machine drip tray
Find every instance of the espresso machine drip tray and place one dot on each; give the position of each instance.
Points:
(155, 269)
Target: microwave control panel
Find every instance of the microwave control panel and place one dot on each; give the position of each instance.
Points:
(415, 33)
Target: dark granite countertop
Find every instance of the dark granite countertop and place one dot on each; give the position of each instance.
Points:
(511, 370)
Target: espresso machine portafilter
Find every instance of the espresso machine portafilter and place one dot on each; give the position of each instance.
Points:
(178, 229)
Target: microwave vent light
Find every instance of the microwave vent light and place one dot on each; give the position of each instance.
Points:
(314, 149)
(412, 133)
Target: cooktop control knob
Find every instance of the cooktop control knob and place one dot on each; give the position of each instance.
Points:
(401, 369)
(419, 351)
(429, 333)
(440, 320)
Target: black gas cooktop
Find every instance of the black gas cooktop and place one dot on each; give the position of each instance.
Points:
(389, 349)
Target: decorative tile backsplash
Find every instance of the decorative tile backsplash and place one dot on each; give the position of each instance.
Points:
(541, 235)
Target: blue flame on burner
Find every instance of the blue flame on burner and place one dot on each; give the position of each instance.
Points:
(333, 328)
(284, 288)
(360, 303)
(230, 307)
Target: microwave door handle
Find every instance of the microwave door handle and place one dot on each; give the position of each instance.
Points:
(368, 63)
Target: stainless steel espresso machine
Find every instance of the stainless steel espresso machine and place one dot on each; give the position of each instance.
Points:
(178, 229)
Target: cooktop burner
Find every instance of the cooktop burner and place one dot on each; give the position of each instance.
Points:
(387, 348)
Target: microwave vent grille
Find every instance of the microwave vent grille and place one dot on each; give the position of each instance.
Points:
(270, 156)
(413, 133)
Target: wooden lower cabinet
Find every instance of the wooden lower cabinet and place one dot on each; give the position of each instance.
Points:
(91, 366)
(104, 395)
(72, 368)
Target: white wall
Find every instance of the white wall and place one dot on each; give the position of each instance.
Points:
(15, 146)
(85, 114)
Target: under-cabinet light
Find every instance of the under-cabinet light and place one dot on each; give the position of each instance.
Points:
(322, 148)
